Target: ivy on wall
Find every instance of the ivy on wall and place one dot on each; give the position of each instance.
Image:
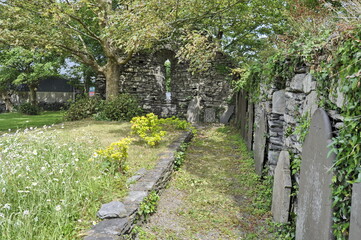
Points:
(335, 61)
(346, 64)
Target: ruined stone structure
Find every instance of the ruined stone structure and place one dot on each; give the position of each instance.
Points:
(144, 77)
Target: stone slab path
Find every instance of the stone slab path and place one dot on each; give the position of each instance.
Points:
(215, 194)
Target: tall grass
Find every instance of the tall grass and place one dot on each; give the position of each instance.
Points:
(48, 188)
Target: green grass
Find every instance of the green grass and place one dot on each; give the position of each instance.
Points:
(218, 193)
(48, 187)
(16, 121)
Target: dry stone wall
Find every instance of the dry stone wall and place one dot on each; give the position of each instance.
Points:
(279, 123)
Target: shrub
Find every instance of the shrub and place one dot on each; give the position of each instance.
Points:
(29, 109)
(83, 108)
(177, 124)
(123, 107)
(148, 128)
(115, 155)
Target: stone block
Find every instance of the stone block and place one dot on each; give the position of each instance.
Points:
(296, 84)
(113, 209)
(308, 84)
(355, 223)
(136, 196)
(282, 189)
(311, 103)
(114, 226)
(279, 102)
(209, 115)
(314, 214)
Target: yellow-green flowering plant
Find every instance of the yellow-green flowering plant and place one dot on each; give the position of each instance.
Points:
(116, 154)
(148, 128)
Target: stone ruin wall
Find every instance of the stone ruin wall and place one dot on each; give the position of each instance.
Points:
(268, 129)
(144, 77)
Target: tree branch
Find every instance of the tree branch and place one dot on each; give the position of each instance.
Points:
(82, 56)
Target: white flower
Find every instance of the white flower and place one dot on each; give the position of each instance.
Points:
(2, 215)
(34, 183)
(26, 212)
(7, 206)
(3, 190)
(36, 219)
(35, 152)
(57, 208)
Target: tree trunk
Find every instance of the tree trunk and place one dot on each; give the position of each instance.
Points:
(112, 75)
(32, 95)
(6, 97)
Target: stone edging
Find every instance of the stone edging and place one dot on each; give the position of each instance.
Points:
(154, 179)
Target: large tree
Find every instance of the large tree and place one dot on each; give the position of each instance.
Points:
(105, 34)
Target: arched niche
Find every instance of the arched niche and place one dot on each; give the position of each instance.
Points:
(165, 73)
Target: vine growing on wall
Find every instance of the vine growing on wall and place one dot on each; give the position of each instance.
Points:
(347, 145)
(335, 61)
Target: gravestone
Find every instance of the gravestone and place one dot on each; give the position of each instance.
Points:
(194, 109)
(260, 141)
(209, 115)
(226, 116)
(314, 217)
(250, 121)
(282, 189)
(243, 114)
(355, 223)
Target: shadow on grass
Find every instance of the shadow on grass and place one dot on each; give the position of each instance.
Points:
(220, 172)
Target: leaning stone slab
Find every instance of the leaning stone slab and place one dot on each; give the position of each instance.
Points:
(250, 121)
(355, 223)
(226, 115)
(282, 189)
(314, 216)
(194, 109)
(260, 142)
(113, 209)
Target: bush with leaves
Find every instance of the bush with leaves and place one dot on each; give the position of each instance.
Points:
(115, 155)
(176, 123)
(83, 108)
(29, 109)
(123, 107)
(148, 128)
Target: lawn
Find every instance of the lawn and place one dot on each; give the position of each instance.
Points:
(49, 187)
(16, 121)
